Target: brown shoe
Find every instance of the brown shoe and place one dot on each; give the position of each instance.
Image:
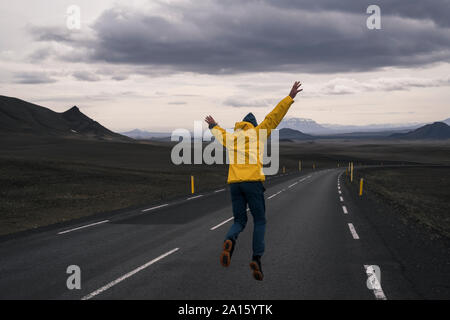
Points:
(225, 256)
(255, 265)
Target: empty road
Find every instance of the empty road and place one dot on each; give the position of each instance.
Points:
(317, 247)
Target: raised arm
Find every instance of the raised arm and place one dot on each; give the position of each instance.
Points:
(218, 132)
(274, 118)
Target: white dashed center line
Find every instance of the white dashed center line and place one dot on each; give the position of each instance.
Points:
(157, 207)
(342, 199)
(292, 185)
(344, 208)
(274, 195)
(221, 224)
(82, 227)
(353, 231)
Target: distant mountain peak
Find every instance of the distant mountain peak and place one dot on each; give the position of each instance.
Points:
(292, 134)
(302, 124)
(435, 131)
(74, 109)
(446, 121)
(142, 134)
(23, 117)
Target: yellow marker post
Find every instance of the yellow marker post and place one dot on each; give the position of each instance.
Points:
(338, 164)
(314, 166)
(361, 187)
(299, 165)
(284, 169)
(192, 185)
(351, 172)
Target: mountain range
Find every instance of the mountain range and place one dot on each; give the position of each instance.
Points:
(291, 134)
(145, 135)
(434, 131)
(18, 116)
(309, 126)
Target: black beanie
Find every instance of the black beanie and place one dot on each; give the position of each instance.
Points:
(251, 118)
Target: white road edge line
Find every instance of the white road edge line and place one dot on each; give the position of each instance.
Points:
(220, 190)
(195, 197)
(129, 274)
(374, 282)
(353, 231)
(153, 208)
(82, 227)
(292, 185)
(222, 223)
(344, 208)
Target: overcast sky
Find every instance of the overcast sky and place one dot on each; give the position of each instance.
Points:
(160, 65)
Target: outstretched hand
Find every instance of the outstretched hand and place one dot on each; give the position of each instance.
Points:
(210, 120)
(295, 89)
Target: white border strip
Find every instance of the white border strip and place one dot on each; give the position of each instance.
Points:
(195, 197)
(82, 227)
(129, 274)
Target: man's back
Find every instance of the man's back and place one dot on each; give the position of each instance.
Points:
(245, 145)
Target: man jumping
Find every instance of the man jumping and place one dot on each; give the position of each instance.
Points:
(245, 177)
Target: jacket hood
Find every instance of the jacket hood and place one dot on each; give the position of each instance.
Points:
(243, 125)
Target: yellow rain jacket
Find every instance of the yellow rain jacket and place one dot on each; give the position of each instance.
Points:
(245, 145)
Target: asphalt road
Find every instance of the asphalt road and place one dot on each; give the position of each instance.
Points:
(315, 249)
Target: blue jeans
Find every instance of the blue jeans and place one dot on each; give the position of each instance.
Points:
(251, 193)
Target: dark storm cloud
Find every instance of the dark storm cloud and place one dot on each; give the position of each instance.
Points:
(85, 76)
(119, 78)
(437, 11)
(33, 78)
(298, 36)
(51, 34)
(40, 54)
